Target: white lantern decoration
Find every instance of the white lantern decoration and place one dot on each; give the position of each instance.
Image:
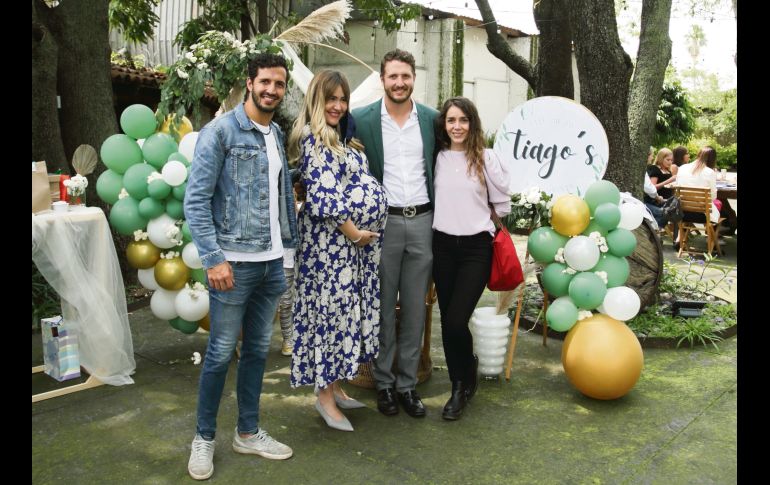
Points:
(162, 304)
(174, 173)
(192, 305)
(190, 256)
(490, 338)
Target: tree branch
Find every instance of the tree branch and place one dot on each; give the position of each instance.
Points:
(499, 48)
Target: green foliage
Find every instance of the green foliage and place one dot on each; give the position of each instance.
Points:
(392, 17)
(719, 119)
(675, 120)
(657, 321)
(124, 58)
(134, 18)
(220, 15)
(490, 139)
(45, 301)
(690, 282)
(727, 156)
(457, 59)
(218, 59)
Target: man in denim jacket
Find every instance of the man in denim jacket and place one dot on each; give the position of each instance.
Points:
(240, 209)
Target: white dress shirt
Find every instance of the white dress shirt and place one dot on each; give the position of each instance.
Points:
(649, 187)
(403, 175)
(706, 177)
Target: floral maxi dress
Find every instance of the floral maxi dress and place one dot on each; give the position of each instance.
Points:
(337, 309)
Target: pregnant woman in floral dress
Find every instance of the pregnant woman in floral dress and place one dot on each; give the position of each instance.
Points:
(337, 311)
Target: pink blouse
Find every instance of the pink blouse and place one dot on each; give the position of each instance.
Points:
(462, 201)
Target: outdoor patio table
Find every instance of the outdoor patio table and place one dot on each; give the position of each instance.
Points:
(75, 253)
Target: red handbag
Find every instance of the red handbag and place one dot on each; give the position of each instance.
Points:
(506, 272)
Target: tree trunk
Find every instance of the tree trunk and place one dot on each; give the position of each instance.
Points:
(499, 48)
(46, 136)
(263, 22)
(604, 71)
(554, 62)
(647, 85)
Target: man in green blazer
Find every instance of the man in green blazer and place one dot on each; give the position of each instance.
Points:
(398, 135)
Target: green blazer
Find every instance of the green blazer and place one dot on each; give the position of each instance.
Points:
(369, 130)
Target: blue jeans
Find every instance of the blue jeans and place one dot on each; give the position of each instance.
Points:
(249, 306)
(657, 213)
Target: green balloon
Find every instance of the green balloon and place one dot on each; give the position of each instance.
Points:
(594, 226)
(543, 244)
(135, 180)
(600, 192)
(617, 269)
(179, 157)
(199, 275)
(186, 234)
(587, 290)
(138, 121)
(183, 325)
(108, 186)
(621, 242)
(125, 217)
(158, 189)
(174, 208)
(556, 280)
(562, 314)
(157, 148)
(150, 208)
(607, 216)
(178, 191)
(119, 152)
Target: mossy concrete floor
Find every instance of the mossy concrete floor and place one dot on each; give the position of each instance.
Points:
(678, 425)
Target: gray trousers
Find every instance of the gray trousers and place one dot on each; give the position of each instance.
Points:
(405, 269)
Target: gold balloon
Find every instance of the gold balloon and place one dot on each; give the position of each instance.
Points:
(602, 357)
(205, 323)
(570, 216)
(171, 274)
(142, 254)
(182, 128)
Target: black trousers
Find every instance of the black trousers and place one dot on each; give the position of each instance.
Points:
(461, 267)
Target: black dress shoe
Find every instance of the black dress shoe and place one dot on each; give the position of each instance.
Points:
(386, 401)
(412, 403)
(473, 380)
(457, 401)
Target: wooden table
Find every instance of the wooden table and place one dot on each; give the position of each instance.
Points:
(727, 192)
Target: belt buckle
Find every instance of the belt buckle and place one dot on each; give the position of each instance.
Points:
(410, 211)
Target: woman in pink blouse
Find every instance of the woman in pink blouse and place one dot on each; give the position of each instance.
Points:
(468, 178)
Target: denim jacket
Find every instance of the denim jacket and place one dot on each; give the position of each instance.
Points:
(227, 200)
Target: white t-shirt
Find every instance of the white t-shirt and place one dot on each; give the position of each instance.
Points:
(403, 175)
(274, 159)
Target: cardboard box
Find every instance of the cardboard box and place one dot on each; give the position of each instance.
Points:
(60, 349)
(53, 182)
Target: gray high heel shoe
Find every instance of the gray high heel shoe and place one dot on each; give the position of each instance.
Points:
(343, 403)
(342, 425)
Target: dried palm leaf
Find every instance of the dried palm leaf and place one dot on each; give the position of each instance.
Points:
(84, 159)
(323, 23)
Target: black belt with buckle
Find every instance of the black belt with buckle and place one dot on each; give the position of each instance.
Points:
(410, 210)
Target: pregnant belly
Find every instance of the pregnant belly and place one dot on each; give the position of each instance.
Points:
(368, 205)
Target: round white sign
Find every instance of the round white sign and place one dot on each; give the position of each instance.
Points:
(553, 143)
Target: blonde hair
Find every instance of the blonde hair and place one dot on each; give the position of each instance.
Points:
(313, 114)
(662, 153)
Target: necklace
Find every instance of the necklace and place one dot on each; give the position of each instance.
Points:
(265, 133)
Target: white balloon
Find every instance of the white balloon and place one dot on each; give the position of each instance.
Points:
(190, 257)
(174, 173)
(581, 253)
(192, 305)
(162, 304)
(147, 278)
(621, 303)
(157, 231)
(631, 216)
(187, 145)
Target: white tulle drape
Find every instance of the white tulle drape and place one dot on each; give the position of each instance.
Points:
(75, 253)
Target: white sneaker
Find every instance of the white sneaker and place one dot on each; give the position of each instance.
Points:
(262, 444)
(201, 464)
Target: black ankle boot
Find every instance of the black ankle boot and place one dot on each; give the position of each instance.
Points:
(473, 379)
(454, 407)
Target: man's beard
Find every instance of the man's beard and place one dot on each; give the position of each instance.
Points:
(265, 109)
(399, 101)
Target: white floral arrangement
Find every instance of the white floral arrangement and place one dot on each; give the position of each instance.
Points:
(76, 186)
(530, 209)
(169, 255)
(600, 241)
(140, 235)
